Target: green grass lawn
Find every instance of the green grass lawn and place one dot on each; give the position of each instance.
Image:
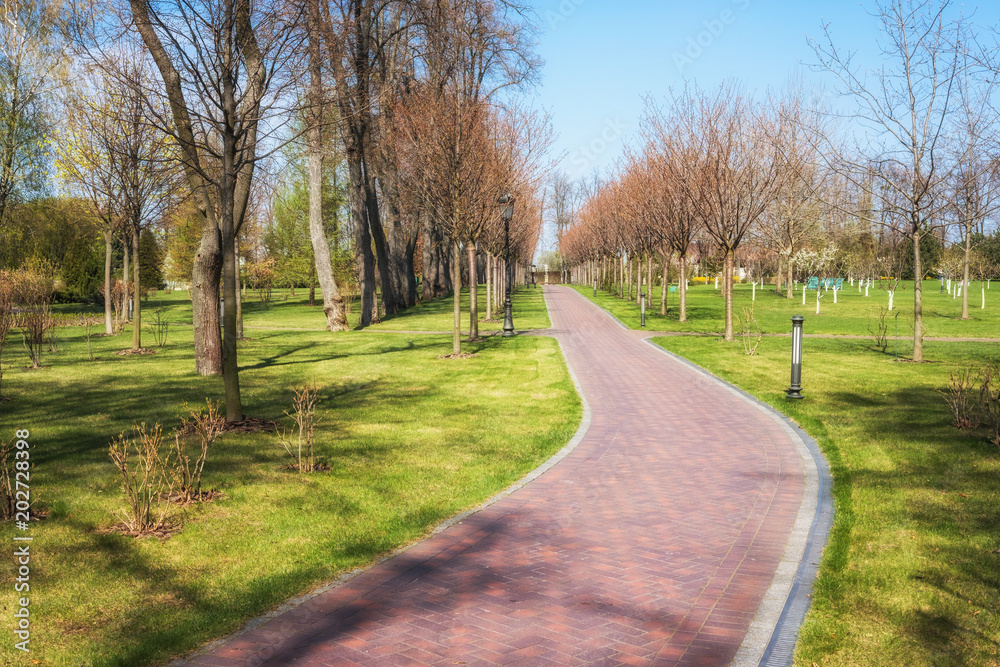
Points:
(289, 311)
(912, 569)
(411, 439)
(849, 316)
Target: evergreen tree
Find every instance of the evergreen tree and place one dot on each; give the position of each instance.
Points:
(151, 261)
(83, 269)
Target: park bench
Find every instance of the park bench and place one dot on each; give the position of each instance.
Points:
(813, 283)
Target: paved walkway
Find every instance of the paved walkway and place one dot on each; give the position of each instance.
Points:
(654, 540)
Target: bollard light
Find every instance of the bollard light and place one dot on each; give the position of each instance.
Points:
(642, 309)
(795, 391)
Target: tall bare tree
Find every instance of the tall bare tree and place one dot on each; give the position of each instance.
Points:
(908, 108)
(317, 108)
(738, 172)
(221, 63)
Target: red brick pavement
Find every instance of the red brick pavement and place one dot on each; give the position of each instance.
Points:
(653, 542)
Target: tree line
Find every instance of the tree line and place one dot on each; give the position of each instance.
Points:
(218, 119)
(783, 183)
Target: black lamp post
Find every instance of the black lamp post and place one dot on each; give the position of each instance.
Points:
(795, 390)
(507, 202)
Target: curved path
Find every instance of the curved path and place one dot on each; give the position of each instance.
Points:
(653, 538)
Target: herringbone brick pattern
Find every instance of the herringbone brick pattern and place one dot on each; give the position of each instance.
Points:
(653, 542)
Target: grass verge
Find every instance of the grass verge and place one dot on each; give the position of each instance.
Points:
(911, 572)
(851, 315)
(411, 440)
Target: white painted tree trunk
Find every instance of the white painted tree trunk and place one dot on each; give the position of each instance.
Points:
(949, 286)
(817, 301)
(754, 297)
(866, 288)
(892, 295)
(984, 298)
(803, 294)
(835, 294)
(716, 282)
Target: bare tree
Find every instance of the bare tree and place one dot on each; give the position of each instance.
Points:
(333, 302)
(907, 107)
(976, 184)
(221, 63)
(738, 172)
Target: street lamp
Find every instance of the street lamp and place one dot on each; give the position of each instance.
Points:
(507, 202)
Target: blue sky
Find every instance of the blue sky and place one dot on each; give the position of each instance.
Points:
(603, 56)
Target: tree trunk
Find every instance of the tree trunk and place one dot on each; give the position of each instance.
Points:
(333, 302)
(136, 316)
(382, 253)
(456, 280)
(631, 262)
(789, 284)
(409, 266)
(777, 277)
(649, 277)
(205, 278)
(664, 283)
(489, 286)
(918, 293)
(108, 326)
(428, 284)
(126, 248)
(682, 286)
(239, 293)
(727, 286)
(230, 363)
(471, 249)
(364, 260)
(965, 271)
(312, 285)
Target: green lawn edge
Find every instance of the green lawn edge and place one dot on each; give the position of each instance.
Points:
(104, 599)
(911, 565)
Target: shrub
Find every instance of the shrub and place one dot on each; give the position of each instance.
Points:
(974, 398)
(146, 481)
(750, 333)
(989, 401)
(207, 425)
(159, 325)
(964, 398)
(8, 317)
(878, 327)
(32, 294)
(304, 414)
(6, 481)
